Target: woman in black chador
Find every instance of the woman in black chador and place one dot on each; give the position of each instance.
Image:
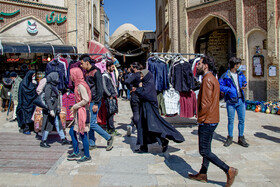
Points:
(152, 127)
(26, 95)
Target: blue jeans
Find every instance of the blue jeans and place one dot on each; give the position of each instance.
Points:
(205, 136)
(95, 127)
(128, 94)
(75, 142)
(240, 108)
(61, 134)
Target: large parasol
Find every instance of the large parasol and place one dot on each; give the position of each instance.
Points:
(97, 48)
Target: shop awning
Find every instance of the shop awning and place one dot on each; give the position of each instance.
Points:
(36, 48)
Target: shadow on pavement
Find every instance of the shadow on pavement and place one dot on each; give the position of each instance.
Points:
(272, 128)
(265, 136)
(180, 166)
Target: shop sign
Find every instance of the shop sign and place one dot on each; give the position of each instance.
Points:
(8, 14)
(32, 27)
(53, 18)
(13, 60)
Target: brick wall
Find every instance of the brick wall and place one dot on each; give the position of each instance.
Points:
(218, 47)
(32, 11)
(255, 14)
(225, 9)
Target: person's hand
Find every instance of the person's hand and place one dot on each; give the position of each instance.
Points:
(133, 89)
(111, 97)
(140, 84)
(244, 86)
(94, 108)
(52, 113)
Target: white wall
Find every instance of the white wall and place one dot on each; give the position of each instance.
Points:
(18, 33)
(193, 2)
(53, 2)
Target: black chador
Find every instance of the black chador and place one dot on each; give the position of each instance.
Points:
(152, 127)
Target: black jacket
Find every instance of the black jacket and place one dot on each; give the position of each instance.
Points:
(109, 86)
(94, 81)
(133, 81)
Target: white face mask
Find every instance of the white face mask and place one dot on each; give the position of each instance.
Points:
(33, 78)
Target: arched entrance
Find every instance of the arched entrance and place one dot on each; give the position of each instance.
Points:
(216, 39)
(257, 80)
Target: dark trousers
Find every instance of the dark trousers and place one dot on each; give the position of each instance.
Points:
(110, 117)
(135, 109)
(205, 135)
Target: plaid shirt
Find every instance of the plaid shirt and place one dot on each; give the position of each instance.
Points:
(171, 100)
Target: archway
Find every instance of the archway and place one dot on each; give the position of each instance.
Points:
(257, 83)
(217, 39)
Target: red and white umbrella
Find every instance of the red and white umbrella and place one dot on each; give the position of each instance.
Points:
(97, 48)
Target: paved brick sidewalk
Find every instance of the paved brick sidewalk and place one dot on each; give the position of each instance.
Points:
(258, 164)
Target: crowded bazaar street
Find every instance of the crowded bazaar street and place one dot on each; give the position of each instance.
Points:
(24, 163)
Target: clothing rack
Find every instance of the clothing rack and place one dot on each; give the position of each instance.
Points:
(79, 54)
(195, 54)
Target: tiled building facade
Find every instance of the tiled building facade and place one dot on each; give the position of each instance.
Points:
(247, 29)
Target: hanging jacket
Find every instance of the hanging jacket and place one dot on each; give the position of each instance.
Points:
(160, 73)
(182, 77)
(228, 86)
(56, 66)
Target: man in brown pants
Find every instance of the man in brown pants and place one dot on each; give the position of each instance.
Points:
(208, 119)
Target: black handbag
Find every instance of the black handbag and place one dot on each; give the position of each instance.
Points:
(40, 101)
(113, 106)
(88, 116)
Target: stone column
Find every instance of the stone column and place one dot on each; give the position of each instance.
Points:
(173, 26)
(241, 40)
(272, 56)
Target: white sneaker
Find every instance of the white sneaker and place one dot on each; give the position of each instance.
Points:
(129, 130)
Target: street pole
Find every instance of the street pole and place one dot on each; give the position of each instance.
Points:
(92, 26)
(76, 25)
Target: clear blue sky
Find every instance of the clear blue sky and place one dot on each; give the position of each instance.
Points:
(140, 13)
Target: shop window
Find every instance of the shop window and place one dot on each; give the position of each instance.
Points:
(94, 16)
(166, 13)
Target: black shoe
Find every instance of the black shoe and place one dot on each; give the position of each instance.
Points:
(73, 157)
(13, 120)
(65, 142)
(242, 141)
(228, 141)
(165, 146)
(110, 144)
(84, 159)
(44, 144)
(142, 149)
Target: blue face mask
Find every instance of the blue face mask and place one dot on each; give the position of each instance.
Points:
(239, 69)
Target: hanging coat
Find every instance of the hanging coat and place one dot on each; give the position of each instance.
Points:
(152, 127)
(26, 95)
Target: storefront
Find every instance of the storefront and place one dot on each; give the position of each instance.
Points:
(31, 34)
(17, 56)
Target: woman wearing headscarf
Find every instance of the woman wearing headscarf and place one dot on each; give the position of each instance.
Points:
(51, 116)
(83, 97)
(152, 127)
(26, 95)
(7, 85)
